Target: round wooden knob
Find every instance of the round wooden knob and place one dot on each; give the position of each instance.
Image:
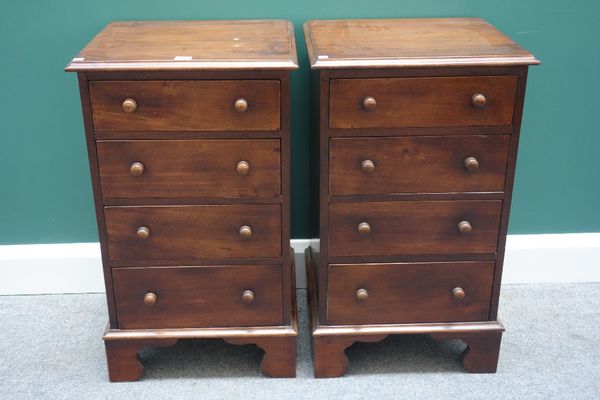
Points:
(149, 299)
(369, 103)
(129, 105)
(464, 227)
(247, 296)
(241, 105)
(458, 293)
(245, 232)
(143, 233)
(367, 166)
(362, 294)
(136, 169)
(242, 168)
(478, 100)
(471, 164)
(364, 228)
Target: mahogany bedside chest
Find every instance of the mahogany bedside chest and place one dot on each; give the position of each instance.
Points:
(187, 127)
(416, 125)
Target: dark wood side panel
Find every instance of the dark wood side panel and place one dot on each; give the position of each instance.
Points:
(510, 176)
(196, 105)
(426, 164)
(289, 294)
(189, 168)
(411, 292)
(192, 233)
(413, 227)
(421, 102)
(95, 175)
(194, 297)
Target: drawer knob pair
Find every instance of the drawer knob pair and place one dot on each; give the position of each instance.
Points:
(137, 168)
(464, 227)
(143, 232)
(478, 100)
(129, 105)
(151, 298)
(241, 105)
(369, 103)
(458, 293)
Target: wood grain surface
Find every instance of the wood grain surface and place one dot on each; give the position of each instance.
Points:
(189, 168)
(409, 292)
(421, 164)
(192, 233)
(415, 42)
(190, 45)
(190, 297)
(422, 102)
(413, 227)
(195, 105)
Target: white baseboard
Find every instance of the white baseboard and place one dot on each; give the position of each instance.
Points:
(76, 267)
(558, 258)
(51, 268)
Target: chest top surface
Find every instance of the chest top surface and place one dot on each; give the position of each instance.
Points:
(397, 43)
(190, 45)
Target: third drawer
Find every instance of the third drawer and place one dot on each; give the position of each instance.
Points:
(171, 235)
(392, 228)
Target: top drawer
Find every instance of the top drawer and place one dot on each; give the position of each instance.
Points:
(167, 106)
(422, 102)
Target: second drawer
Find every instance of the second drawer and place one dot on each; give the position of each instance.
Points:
(170, 235)
(409, 292)
(418, 164)
(413, 227)
(189, 168)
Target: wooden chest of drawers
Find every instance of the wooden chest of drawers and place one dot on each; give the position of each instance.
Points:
(416, 129)
(187, 127)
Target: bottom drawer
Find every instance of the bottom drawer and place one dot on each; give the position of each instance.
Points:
(194, 297)
(409, 292)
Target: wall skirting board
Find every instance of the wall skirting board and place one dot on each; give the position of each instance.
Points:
(75, 267)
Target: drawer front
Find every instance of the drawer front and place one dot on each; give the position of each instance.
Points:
(174, 234)
(421, 102)
(169, 106)
(189, 297)
(189, 168)
(418, 164)
(413, 227)
(411, 292)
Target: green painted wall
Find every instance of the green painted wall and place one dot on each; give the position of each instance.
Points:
(46, 194)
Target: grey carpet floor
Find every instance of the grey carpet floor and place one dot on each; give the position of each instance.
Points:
(50, 348)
